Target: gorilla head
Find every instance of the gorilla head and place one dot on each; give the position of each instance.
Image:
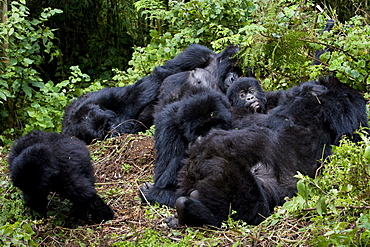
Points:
(227, 67)
(246, 92)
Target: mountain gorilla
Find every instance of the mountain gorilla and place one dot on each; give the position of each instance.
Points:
(201, 68)
(175, 131)
(183, 84)
(112, 111)
(189, 106)
(177, 126)
(43, 162)
(252, 170)
(227, 67)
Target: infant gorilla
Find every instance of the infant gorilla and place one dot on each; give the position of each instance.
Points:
(43, 162)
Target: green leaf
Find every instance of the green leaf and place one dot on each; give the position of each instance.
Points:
(321, 205)
(367, 154)
(27, 90)
(2, 95)
(11, 31)
(28, 61)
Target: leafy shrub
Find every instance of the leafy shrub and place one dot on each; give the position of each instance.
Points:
(17, 234)
(19, 80)
(27, 101)
(278, 39)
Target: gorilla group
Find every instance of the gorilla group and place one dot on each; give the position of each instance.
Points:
(42, 162)
(251, 170)
(221, 142)
(131, 109)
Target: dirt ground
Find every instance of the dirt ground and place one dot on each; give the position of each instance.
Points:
(122, 165)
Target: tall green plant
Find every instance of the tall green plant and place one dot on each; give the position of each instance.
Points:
(20, 80)
(28, 102)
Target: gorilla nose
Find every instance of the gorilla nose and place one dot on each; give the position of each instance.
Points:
(250, 97)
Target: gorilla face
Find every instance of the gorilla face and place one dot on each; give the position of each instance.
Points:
(249, 98)
(230, 78)
(246, 92)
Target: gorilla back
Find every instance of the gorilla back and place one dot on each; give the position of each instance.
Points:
(43, 162)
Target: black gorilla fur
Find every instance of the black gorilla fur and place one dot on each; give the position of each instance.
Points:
(201, 67)
(251, 170)
(177, 126)
(42, 162)
(112, 111)
(227, 67)
(194, 56)
(183, 84)
(343, 111)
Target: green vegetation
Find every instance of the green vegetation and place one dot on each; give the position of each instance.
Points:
(45, 64)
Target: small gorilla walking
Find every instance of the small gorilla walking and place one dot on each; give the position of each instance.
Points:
(43, 162)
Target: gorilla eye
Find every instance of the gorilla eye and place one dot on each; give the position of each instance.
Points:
(251, 90)
(242, 94)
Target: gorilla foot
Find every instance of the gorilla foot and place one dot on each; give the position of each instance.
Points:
(173, 221)
(144, 190)
(192, 212)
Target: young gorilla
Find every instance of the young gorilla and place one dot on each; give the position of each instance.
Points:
(42, 162)
(251, 170)
(178, 126)
(246, 97)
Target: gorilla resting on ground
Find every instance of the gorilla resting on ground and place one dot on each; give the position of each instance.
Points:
(177, 126)
(112, 111)
(251, 170)
(42, 162)
(245, 95)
